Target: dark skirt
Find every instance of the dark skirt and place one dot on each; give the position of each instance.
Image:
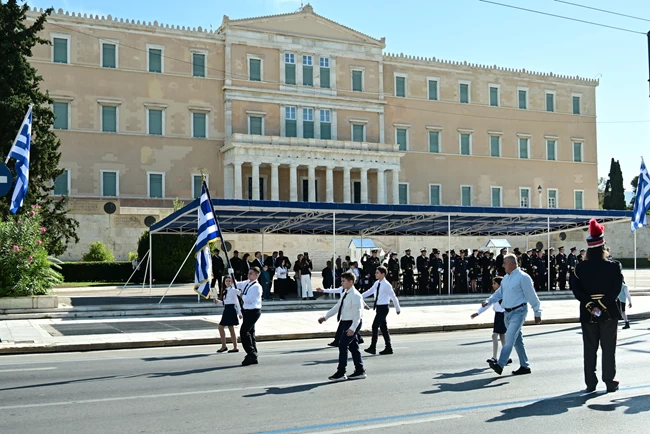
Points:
(499, 323)
(229, 316)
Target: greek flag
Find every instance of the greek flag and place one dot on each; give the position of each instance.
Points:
(20, 152)
(208, 233)
(642, 200)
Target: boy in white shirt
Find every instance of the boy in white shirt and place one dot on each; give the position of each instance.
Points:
(384, 294)
(340, 330)
(251, 294)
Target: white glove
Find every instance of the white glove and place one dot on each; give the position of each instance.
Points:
(231, 271)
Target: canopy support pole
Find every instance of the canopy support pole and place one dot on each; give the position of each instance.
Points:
(177, 273)
(137, 267)
(449, 254)
(548, 255)
(150, 264)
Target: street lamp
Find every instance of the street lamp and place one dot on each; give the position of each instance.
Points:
(539, 190)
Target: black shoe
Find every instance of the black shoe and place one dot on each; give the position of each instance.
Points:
(360, 340)
(338, 376)
(521, 371)
(370, 350)
(612, 386)
(627, 325)
(358, 375)
(248, 361)
(496, 368)
(492, 360)
(590, 389)
(333, 344)
(387, 350)
(509, 362)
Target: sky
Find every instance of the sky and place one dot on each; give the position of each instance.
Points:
(477, 32)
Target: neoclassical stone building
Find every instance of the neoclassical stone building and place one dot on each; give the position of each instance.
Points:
(297, 107)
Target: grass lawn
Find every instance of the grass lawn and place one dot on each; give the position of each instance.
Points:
(82, 284)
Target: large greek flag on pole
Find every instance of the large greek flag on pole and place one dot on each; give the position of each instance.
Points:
(20, 152)
(642, 199)
(208, 233)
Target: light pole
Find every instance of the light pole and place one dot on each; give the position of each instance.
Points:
(539, 190)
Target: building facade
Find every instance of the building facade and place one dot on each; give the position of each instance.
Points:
(297, 107)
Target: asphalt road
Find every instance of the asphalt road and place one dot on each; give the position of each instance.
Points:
(433, 383)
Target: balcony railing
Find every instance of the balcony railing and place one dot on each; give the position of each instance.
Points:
(237, 138)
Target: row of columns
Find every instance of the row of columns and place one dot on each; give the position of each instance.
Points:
(233, 182)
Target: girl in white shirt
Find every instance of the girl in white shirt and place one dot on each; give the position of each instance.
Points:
(231, 314)
(499, 328)
(282, 272)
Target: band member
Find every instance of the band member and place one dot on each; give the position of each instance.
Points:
(407, 264)
(562, 268)
(422, 264)
(384, 294)
(474, 269)
(460, 273)
(436, 270)
(393, 270)
(597, 284)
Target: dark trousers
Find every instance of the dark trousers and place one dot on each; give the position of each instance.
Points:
(603, 334)
(380, 323)
(562, 280)
(408, 282)
(349, 343)
(216, 279)
(247, 332)
(423, 284)
(340, 330)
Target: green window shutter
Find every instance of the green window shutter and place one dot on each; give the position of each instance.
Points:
(400, 87)
(496, 197)
(464, 94)
(155, 185)
(291, 128)
(434, 195)
(401, 138)
(465, 144)
(325, 78)
(522, 100)
(60, 115)
(550, 149)
(434, 141)
(550, 102)
(198, 65)
(290, 73)
(403, 194)
(357, 81)
(576, 105)
(155, 122)
(198, 184)
(433, 90)
(357, 133)
(326, 131)
(307, 75)
(466, 196)
(109, 56)
(255, 70)
(199, 123)
(109, 184)
(577, 152)
(578, 200)
(155, 60)
(523, 148)
(308, 129)
(60, 50)
(61, 184)
(109, 119)
(494, 146)
(494, 97)
(255, 125)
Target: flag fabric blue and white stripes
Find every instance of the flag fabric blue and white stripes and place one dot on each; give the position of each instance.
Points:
(642, 199)
(20, 152)
(208, 233)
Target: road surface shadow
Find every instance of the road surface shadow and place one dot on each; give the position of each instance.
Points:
(308, 350)
(633, 405)
(61, 383)
(321, 362)
(526, 335)
(287, 390)
(465, 386)
(468, 373)
(546, 407)
(160, 359)
(183, 373)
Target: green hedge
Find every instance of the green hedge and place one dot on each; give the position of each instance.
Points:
(628, 263)
(99, 272)
(169, 252)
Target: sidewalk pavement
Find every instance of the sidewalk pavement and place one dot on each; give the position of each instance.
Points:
(40, 335)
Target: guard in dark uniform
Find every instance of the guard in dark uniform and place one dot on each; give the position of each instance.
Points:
(552, 267)
(498, 263)
(530, 262)
(486, 266)
(581, 256)
(596, 283)
(460, 273)
(525, 259)
(572, 261)
(452, 262)
(517, 253)
(474, 270)
(562, 268)
(422, 264)
(407, 264)
(393, 271)
(370, 265)
(236, 264)
(540, 272)
(436, 269)
(445, 274)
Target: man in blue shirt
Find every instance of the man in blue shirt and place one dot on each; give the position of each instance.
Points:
(515, 293)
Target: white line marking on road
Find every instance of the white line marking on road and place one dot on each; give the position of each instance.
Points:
(390, 424)
(27, 369)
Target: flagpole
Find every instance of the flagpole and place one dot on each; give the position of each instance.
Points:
(635, 260)
(216, 220)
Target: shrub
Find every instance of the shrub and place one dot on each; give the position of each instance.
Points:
(132, 256)
(169, 252)
(25, 267)
(98, 253)
(100, 272)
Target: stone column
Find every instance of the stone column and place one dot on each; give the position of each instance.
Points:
(228, 177)
(238, 190)
(228, 63)
(312, 183)
(329, 183)
(335, 124)
(228, 118)
(381, 128)
(275, 185)
(299, 115)
(293, 182)
(255, 174)
(381, 182)
(346, 185)
(395, 179)
(364, 185)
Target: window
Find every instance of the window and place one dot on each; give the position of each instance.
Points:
(357, 81)
(198, 65)
(523, 98)
(261, 187)
(109, 55)
(155, 59)
(465, 144)
(578, 199)
(197, 185)
(289, 68)
(358, 133)
(495, 146)
(308, 123)
(61, 115)
(291, 128)
(400, 86)
(576, 104)
(110, 183)
(62, 184)
(155, 122)
(434, 194)
(109, 119)
(494, 96)
(434, 141)
(463, 90)
(495, 196)
(466, 195)
(401, 138)
(199, 125)
(552, 198)
(325, 125)
(403, 194)
(550, 101)
(524, 197)
(325, 72)
(433, 89)
(577, 152)
(156, 185)
(307, 70)
(255, 126)
(551, 150)
(524, 147)
(254, 69)
(61, 48)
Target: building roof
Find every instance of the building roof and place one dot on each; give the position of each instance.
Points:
(365, 243)
(498, 243)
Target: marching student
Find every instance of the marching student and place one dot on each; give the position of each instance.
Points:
(231, 314)
(251, 294)
(348, 311)
(339, 331)
(499, 328)
(384, 294)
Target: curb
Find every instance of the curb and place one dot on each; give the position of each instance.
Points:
(174, 342)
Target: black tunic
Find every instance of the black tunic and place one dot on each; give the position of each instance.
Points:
(597, 284)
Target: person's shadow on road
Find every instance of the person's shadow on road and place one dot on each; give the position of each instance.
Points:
(468, 373)
(287, 390)
(633, 404)
(465, 386)
(546, 407)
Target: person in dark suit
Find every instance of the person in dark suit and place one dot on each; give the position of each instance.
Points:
(436, 267)
(218, 268)
(562, 263)
(498, 264)
(596, 284)
(393, 271)
(474, 269)
(236, 264)
(460, 272)
(407, 264)
(422, 264)
(486, 277)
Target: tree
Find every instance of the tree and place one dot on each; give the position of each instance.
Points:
(98, 253)
(634, 183)
(614, 195)
(19, 87)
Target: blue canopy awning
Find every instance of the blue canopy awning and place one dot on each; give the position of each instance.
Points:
(316, 218)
